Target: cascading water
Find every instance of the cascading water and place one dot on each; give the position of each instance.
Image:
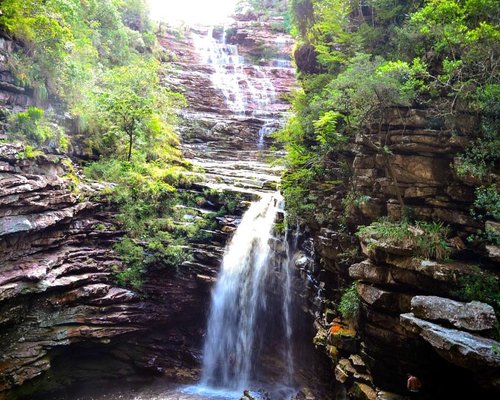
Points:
(240, 295)
(246, 87)
(253, 288)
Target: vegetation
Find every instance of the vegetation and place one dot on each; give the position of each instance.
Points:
(484, 287)
(350, 304)
(33, 126)
(67, 42)
(426, 239)
(358, 60)
(266, 9)
(130, 109)
(98, 58)
(480, 287)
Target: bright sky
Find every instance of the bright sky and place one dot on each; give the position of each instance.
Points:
(192, 11)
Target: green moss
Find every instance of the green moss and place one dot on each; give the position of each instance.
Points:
(29, 153)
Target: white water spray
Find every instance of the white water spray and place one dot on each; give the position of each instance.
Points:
(240, 295)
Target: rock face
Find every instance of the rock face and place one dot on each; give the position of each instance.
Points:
(58, 298)
(423, 151)
(473, 316)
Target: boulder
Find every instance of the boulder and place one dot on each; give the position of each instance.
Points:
(363, 391)
(473, 316)
(457, 347)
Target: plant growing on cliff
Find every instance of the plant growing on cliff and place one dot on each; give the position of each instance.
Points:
(480, 286)
(484, 287)
(350, 304)
(34, 127)
(133, 257)
(482, 156)
(487, 203)
(130, 109)
(426, 239)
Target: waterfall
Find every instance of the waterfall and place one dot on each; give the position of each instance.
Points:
(267, 129)
(250, 320)
(240, 295)
(246, 88)
(286, 269)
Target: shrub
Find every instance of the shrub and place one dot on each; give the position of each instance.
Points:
(33, 126)
(480, 287)
(483, 287)
(133, 257)
(350, 304)
(487, 203)
(426, 239)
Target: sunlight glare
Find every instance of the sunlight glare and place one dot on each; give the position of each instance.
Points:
(206, 12)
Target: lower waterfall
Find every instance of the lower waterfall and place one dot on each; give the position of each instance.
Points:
(254, 260)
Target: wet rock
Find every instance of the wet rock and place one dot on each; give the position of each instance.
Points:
(367, 271)
(473, 316)
(247, 396)
(363, 391)
(493, 252)
(383, 395)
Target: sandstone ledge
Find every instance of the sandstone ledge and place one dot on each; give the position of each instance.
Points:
(457, 347)
(473, 316)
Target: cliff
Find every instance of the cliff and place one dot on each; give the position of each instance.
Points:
(59, 299)
(394, 336)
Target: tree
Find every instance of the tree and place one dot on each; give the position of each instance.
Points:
(131, 110)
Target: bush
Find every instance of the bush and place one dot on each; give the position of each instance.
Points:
(480, 287)
(350, 304)
(133, 257)
(33, 126)
(487, 203)
(426, 239)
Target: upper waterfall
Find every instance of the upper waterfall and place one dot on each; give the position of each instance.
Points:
(234, 106)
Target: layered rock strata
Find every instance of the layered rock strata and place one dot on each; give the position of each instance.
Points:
(393, 341)
(230, 145)
(58, 295)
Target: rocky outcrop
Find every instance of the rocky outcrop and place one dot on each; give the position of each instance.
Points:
(58, 295)
(423, 151)
(463, 349)
(473, 316)
(391, 281)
